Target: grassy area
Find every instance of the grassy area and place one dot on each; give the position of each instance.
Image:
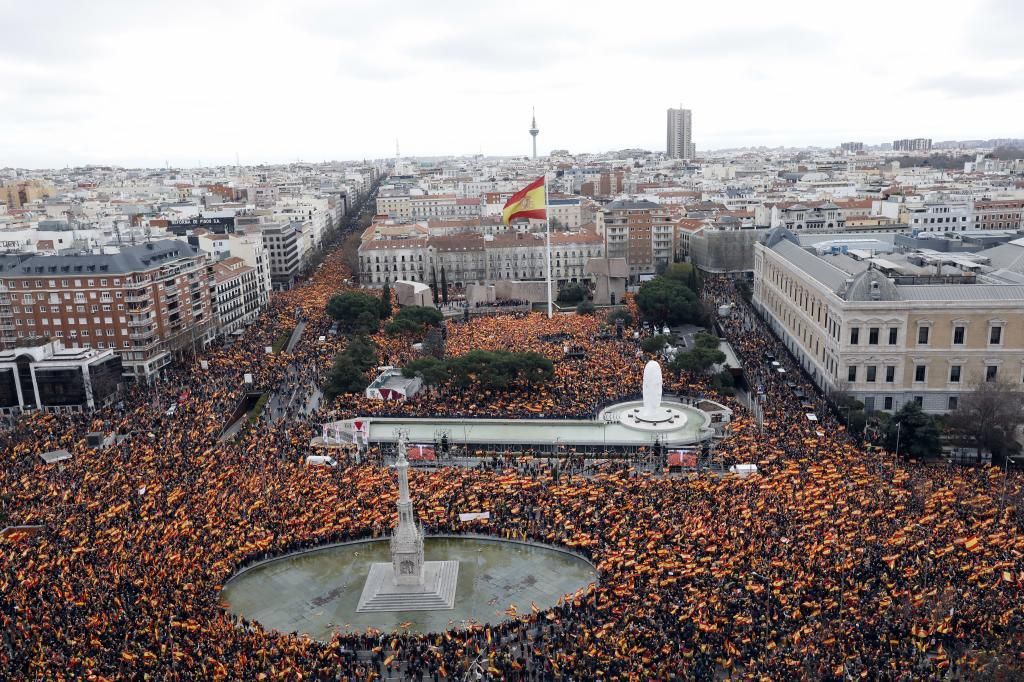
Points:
(257, 409)
(281, 341)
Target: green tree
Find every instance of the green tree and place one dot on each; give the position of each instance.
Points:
(684, 273)
(916, 431)
(702, 357)
(355, 311)
(433, 371)
(433, 284)
(344, 377)
(444, 286)
(385, 301)
(413, 319)
(572, 293)
(362, 351)
(667, 301)
(585, 308)
(653, 344)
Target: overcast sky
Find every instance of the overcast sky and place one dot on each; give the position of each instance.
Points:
(141, 83)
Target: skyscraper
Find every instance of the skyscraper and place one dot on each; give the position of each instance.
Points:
(680, 140)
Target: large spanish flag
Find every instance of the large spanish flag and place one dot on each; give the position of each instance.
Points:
(529, 202)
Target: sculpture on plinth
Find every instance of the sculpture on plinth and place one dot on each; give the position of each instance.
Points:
(407, 542)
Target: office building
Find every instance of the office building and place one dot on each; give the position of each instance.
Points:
(44, 375)
(680, 134)
(639, 231)
(922, 327)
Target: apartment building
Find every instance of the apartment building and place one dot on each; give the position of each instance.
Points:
(239, 294)
(148, 303)
(888, 331)
(640, 231)
(680, 134)
(998, 214)
(913, 144)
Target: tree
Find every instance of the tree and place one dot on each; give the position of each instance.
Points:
(685, 273)
(345, 377)
(444, 286)
(653, 344)
(413, 319)
(385, 301)
(620, 314)
(491, 370)
(432, 370)
(989, 416)
(433, 284)
(572, 293)
(697, 361)
(585, 308)
(362, 351)
(667, 301)
(916, 432)
(434, 343)
(355, 311)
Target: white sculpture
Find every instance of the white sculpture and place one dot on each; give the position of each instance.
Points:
(407, 542)
(652, 390)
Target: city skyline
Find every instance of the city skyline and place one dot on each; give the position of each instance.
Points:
(87, 86)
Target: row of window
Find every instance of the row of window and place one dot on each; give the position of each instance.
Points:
(995, 335)
(920, 373)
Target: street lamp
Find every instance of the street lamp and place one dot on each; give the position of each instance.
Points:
(898, 425)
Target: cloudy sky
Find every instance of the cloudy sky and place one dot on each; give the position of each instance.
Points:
(141, 83)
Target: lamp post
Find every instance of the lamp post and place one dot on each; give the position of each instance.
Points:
(898, 425)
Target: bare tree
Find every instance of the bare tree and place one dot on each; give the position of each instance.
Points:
(989, 416)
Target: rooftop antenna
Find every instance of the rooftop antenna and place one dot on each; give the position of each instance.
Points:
(398, 154)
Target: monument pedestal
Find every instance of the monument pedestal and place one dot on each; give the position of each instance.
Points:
(435, 593)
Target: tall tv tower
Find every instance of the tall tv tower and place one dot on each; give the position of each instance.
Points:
(533, 131)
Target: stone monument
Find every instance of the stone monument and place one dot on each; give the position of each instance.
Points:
(408, 583)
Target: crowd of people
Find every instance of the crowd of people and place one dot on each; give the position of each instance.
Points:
(832, 563)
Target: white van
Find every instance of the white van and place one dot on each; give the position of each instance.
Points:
(321, 460)
(743, 470)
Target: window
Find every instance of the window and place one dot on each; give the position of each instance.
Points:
(953, 403)
(854, 336)
(873, 336)
(958, 335)
(922, 336)
(954, 374)
(887, 402)
(995, 336)
(919, 400)
(990, 372)
(871, 373)
(890, 374)
(851, 373)
(920, 371)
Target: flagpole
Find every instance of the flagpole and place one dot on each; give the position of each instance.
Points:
(547, 221)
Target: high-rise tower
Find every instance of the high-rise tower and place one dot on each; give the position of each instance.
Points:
(533, 131)
(680, 139)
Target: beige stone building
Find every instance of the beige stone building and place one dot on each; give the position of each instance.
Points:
(892, 331)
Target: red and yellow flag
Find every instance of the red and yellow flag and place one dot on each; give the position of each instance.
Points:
(529, 202)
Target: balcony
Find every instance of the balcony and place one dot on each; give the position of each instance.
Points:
(141, 296)
(7, 327)
(140, 323)
(142, 335)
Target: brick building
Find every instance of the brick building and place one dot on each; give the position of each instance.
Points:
(148, 303)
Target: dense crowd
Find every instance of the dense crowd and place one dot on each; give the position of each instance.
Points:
(830, 564)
